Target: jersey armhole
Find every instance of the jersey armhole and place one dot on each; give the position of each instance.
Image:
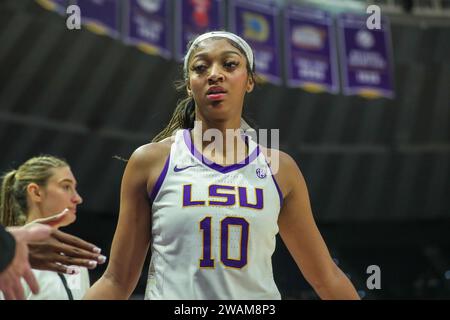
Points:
(160, 181)
(280, 194)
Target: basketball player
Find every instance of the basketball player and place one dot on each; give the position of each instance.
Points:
(212, 226)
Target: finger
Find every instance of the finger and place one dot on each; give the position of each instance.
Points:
(75, 241)
(88, 263)
(30, 233)
(60, 268)
(31, 281)
(18, 291)
(9, 294)
(36, 233)
(74, 252)
(56, 267)
(54, 220)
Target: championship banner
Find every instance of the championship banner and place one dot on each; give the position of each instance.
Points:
(59, 6)
(257, 23)
(147, 25)
(366, 57)
(194, 17)
(100, 16)
(311, 57)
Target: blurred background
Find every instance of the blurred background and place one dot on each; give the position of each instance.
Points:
(378, 170)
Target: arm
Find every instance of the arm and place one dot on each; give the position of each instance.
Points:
(132, 236)
(303, 239)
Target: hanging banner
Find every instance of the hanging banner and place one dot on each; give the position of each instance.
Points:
(147, 25)
(366, 57)
(311, 55)
(257, 23)
(59, 6)
(100, 16)
(194, 17)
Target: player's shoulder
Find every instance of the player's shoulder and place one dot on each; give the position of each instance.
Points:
(148, 159)
(284, 168)
(152, 152)
(279, 159)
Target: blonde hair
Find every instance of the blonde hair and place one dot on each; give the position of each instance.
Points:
(13, 193)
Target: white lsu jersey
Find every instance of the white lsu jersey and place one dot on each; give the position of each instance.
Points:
(213, 227)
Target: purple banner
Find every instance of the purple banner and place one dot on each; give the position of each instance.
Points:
(311, 60)
(194, 17)
(100, 16)
(366, 57)
(257, 24)
(59, 6)
(147, 25)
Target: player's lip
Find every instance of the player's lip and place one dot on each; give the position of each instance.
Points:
(216, 90)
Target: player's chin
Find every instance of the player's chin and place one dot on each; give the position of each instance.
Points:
(218, 104)
(217, 110)
(219, 114)
(220, 108)
(72, 217)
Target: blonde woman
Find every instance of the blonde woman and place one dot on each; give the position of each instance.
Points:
(39, 188)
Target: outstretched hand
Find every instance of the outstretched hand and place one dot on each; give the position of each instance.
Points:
(61, 251)
(19, 267)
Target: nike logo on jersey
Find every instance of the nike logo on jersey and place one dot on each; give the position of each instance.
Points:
(176, 169)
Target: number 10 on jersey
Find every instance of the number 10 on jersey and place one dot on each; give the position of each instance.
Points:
(207, 261)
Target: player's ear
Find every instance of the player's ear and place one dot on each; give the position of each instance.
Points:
(188, 88)
(250, 83)
(34, 192)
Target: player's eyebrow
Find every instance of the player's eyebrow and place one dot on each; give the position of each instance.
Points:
(225, 53)
(68, 180)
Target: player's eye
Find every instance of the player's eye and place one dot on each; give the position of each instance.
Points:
(199, 68)
(231, 64)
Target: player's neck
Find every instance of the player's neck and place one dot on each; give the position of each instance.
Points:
(223, 145)
(33, 214)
